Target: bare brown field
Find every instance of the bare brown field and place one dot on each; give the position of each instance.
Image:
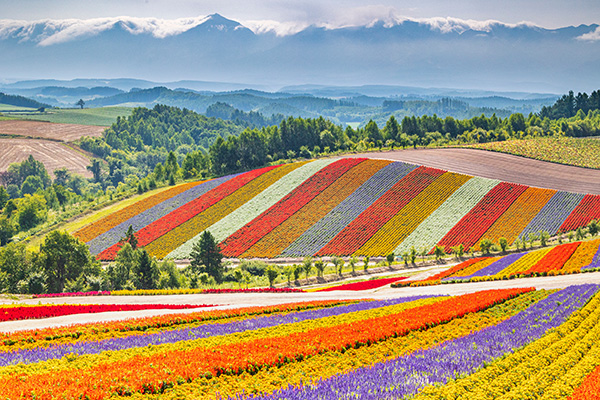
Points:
(52, 154)
(49, 130)
(505, 167)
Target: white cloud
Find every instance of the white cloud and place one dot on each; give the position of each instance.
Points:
(591, 36)
(60, 31)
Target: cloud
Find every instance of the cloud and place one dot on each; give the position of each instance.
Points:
(50, 32)
(591, 36)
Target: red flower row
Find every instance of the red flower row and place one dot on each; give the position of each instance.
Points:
(588, 209)
(555, 259)
(356, 234)
(365, 285)
(252, 232)
(47, 311)
(472, 226)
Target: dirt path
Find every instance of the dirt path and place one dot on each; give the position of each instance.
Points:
(236, 300)
(504, 167)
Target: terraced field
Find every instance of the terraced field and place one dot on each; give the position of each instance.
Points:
(348, 206)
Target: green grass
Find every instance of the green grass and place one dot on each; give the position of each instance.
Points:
(583, 152)
(9, 107)
(104, 116)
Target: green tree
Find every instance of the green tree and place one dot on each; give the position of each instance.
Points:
(32, 184)
(15, 267)
(4, 197)
(392, 128)
(119, 272)
(366, 260)
(352, 262)
(390, 258)
(458, 251)
(206, 257)
(307, 266)
(439, 253)
(593, 227)
(485, 245)
(372, 132)
(63, 258)
(288, 271)
(272, 274)
(7, 230)
(80, 103)
(503, 242)
(96, 169)
(544, 237)
(146, 271)
(131, 238)
(31, 211)
(579, 234)
(320, 266)
(413, 255)
(238, 276)
(338, 263)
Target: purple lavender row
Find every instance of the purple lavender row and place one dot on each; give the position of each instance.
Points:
(28, 356)
(553, 214)
(494, 267)
(112, 236)
(318, 235)
(595, 261)
(405, 376)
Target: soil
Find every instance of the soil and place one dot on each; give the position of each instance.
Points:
(49, 130)
(505, 167)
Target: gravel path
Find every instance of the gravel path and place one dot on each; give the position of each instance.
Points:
(501, 166)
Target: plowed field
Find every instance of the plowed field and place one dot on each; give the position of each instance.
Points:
(48, 130)
(504, 167)
(52, 154)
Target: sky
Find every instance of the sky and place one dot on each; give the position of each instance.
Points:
(299, 13)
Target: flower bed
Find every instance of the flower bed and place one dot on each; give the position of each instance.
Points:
(359, 231)
(587, 210)
(364, 285)
(252, 232)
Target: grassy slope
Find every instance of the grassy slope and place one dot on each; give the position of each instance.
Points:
(570, 151)
(5, 107)
(104, 116)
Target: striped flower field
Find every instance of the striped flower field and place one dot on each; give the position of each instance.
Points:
(564, 259)
(348, 206)
(504, 343)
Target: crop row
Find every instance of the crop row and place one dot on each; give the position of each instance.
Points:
(410, 216)
(361, 229)
(246, 237)
(289, 230)
(587, 210)
(324, 230)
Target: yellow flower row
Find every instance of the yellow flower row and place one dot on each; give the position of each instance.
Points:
(582, 257)
(548, 368)
(182, 233)
(325, 365)
(287, 232)
(476, 267)
(523, 263)
(93, 360)
(409, 217)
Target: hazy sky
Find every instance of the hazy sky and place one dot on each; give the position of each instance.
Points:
(546, 13)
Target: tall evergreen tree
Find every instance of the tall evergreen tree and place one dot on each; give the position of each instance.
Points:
(206, 257)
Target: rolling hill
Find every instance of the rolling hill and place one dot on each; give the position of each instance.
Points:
(348, 206)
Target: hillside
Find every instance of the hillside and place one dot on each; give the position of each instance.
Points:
(349, 206)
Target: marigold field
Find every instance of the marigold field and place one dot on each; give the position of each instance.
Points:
(343, 207)
(503, 343)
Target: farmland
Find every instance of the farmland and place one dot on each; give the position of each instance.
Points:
(45, 130)
(51, 153)
(103, 116)
(346, 206)
(579, 152)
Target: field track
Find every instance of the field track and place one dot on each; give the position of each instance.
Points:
(48, 130)
(236, 300)
(504, 167)
(52, 154)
